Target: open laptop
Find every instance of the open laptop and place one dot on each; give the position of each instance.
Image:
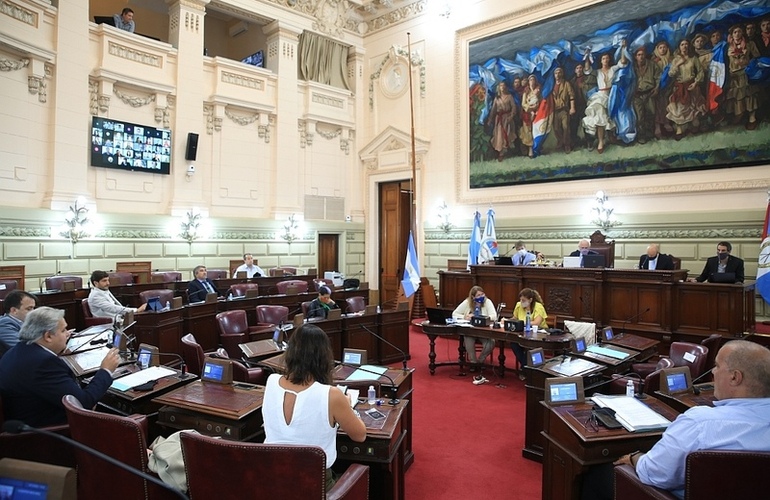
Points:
(593, 261)
(438, 316)
(722, 278)
(675, 380)
(570, 261)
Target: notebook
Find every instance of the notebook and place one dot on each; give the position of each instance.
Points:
(570, 261)
(675, 380)
(438, 316)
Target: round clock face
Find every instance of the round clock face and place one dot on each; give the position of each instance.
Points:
(764, 255)
(395, 79)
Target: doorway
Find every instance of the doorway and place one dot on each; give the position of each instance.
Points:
(394, 222)
(328, 253)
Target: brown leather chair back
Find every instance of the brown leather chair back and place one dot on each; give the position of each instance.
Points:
(192, 352)
(240, 466)
(713, 342)
(6, 287)
(165, 276)
(239, 289)
(700, 353)
(122, 438)
(121, 278)
(602, 246)
(165, 295)
(272, 315)
(217, 274)
(88, 318)
(306, 307)
(56, 282)
(355, 304)
(677, 262)
(241, 372)
(299, 286)
(234, 321)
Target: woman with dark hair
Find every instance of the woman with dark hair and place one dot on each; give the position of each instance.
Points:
(320, 306)
(529, 302)
(477, 304)
(301, 407)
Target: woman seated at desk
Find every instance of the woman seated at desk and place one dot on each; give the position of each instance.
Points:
(529, 302)
(302, 407)
(320, 306)
(477, 304)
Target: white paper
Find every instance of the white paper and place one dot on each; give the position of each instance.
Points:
(365, 375)
(141, 377)
(632, 413)
(689, 357)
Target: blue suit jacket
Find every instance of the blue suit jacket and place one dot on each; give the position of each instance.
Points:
(33, 382)
(196, 292)
(9, 333)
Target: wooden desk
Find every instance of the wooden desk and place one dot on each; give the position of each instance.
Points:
(614, 365)
(61, 300)
(683, 402)
(200, 320)
(132, 401)
(162, 329)
(571, 448)
(646, 347)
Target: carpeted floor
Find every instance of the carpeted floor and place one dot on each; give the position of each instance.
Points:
(467, 438)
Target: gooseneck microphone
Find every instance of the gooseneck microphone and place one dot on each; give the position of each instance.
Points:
(17, 426)
(646, 261)
(182, 366)
(394, 389)
(380, 337)
(623, 326)
(696, 390)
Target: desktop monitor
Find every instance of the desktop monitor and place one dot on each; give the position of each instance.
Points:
(580, 345)
(153, 304)
(219, 371)
(354, 356)
(593, 261)
(535, 357)
(564, 390)
(119, 340)
(147, 355)
(607, 333)
(675, 380)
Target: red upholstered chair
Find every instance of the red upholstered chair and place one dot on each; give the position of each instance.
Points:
(302, 470)
(122, 438)
(165, 276)
(56, 282)
(193, 354)
(240, 289)
(6, 287)
(216, 274)
(37, 447)
(88, 318)
(708, 474)
(602, 246)
(165, 295)
(121, 278)
(306, 307)
(234, 329)
(292, 286)
(679, 354)
(241, 372)
(272, 315)
(713, 342)
(355, 304)
(319, 282)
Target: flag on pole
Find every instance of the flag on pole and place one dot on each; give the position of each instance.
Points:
(474, 247)
(489, 242)
(411, 281)
(763, 269)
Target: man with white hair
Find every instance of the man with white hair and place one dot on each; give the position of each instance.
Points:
(33, 378)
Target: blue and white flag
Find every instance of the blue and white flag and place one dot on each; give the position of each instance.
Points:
(488, 250)
(411, 281)
(474, 247)
(763, 269)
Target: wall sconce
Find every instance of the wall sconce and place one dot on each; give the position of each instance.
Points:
(444, 9)
(602, 210)
(444, 215)
(190, 227)
(290, 229)
(76, 224)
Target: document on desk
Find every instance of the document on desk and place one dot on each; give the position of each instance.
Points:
(632, 413)
(606, 351)
(141, 377)
(365, 373)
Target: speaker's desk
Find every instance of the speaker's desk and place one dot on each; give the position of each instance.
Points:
(572, 445)
(553, 343)
(685, 401)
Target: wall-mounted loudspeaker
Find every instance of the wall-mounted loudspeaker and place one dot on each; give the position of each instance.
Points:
(192, 147)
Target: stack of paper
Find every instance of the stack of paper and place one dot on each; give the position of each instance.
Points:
(141, 377)
(632, 413)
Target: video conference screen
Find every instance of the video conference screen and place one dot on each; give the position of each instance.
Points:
(537, 358)
(127, 146)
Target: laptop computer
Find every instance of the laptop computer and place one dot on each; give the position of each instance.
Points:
(570, 261)
(564, 390)
(675, 380)
(593, 261)
(153, 304)
(104, 20)
(503, 261)
(722, 278)
(438, 316)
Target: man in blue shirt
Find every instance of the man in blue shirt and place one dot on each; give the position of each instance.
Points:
(18, 303)
(739, 420)
(125, 20)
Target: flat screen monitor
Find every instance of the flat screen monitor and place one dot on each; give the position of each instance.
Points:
(535, 357)
(564, 390)
(20, 489)
(675, 380)
(256, 59)
(354, 357)
(607, 333)
(593, 261)
(119, 340)
(127, 146)
(580, 345)
(219, 371)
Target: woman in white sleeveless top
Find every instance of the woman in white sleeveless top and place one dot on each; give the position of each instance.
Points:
(302, 407)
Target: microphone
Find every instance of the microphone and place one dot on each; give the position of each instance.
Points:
(394, 400)
(646, 260)
(696, 390)
(17, 426)
(182, 366)
(509, 251)
(640, 390)
(380, 337)
(623, 327)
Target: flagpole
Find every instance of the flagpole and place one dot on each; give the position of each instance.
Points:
(412, 206)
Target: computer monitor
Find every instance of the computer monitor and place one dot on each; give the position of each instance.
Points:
(580, 345)
(219, 371)
(147, 355)
(607, 333)
(564, 390)
(675, 380)
(593, 261)
(354, 356)
(535, 357)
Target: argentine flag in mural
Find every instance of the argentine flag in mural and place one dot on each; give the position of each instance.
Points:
(489, 241)
(763, 271)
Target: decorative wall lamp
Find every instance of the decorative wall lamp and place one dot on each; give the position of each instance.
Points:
(191, 226)
(602, 211)
(444, 214)
(76, 225)
(290, 229)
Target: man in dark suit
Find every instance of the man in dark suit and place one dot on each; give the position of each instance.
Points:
(199, 287)
(655, 260)
(18, 304)
(33, 378)
(584, 248)
(722, 263)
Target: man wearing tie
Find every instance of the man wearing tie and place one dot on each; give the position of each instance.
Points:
(654, 260)
(101, 301)
(199, 287)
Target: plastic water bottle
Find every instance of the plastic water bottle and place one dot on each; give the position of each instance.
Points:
(477, 310)
(630, 388)
(371, 395)
(230, 297)
(528, 323)
(168, 306)
(379, 309)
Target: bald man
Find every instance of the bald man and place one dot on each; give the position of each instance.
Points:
(654, 260)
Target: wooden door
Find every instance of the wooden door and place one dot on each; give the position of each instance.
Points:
(328, 253)
(394, 233)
